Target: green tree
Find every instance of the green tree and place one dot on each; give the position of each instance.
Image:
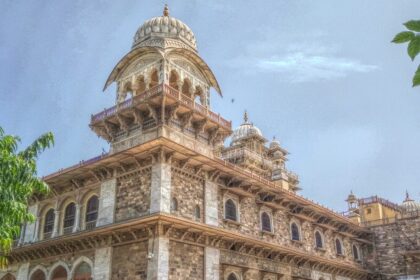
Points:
(18, 182)
(412, 37)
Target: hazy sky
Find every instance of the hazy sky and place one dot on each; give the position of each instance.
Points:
(322, 76)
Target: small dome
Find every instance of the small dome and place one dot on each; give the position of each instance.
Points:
(409, 205)
(164, 27)
(245, 130)
(274, 144)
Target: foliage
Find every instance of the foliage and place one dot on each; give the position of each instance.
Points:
(18, 182)
(413, 38)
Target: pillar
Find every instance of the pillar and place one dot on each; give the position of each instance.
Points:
(158, 265)
(76, 226)
(160, 194)
(211, 211)
(31, 230)
(212, 263)
(102, 264)
(107, 203)
(23, 272)
(56, 223)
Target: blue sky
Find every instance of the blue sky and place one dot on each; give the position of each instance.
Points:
(322, 76)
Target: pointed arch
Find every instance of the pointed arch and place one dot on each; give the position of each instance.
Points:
(339, 247)
(266, 222)
(231, 211)
(186, 87)
(140, 85)
(295, 231)
(91, 213)
(38, 273)
(8, 276)
(319, 240)
(233, 276)
(59, 271)
(76, 266)
(69, 217)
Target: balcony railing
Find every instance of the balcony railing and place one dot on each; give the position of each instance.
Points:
(47, 235)
(377, 199)
(162, 89)
(90, 225)
(68, 230)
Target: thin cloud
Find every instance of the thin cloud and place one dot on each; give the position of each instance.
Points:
(302, 67)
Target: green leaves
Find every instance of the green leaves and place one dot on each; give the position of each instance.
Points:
(18, 182)
(416, 78)
(414, 47)
(403, 37)
(413, 25)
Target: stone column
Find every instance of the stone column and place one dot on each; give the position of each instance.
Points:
(212, 263)
(23, 272)
(160, 194)
(107, 203)
(56, 223)
(76, 226)
(211, 211)
(158, 265)
(102, 265)
(31, 231)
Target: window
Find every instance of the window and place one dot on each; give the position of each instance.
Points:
(60, 273)
(38, 275)
(49, 223)
(368, 211)
(232, 276)
(356, 255)
(197, 212)
(318, 240)
(230, 210)
(174, 204)
(69, 217)
(91, 212)
(265, 222)
(295, 232)
(83, 272)
(338, 247)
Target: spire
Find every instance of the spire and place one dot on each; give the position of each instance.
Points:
(407, 196)
(166, 11)
(245, 117)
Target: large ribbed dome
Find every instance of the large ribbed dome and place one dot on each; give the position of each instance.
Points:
(245, 130)
(410, 205)
(164, 27)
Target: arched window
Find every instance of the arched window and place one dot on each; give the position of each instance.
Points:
(173, 80)
(230, 210)
(265, 222)
(83, 272)
(60, 273)
(154, 79)
(318, 240)
(232, 276)
(49, 223)
(8, 276)
(295, 232)
(140, 85)
(128, 88)
(91, 212)
(174, 204)
(356, 252)
(197, 212)
(69, 217)
(186, 88)
(338, 247)
(38, 275)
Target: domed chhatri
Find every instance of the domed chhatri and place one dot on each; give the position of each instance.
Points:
(410, 205)
(246, 130)
(164, 27)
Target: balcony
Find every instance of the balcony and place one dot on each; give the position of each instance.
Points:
(153, 103)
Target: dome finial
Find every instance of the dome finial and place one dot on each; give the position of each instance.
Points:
(407, 196)
(245, 116)
(166, 11)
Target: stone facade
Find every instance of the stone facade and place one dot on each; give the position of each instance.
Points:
(170, 201)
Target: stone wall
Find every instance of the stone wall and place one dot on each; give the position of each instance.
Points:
(133, 195)
(392, 241)
(189, 193)
(186, 261)
(250, 224)
(130, 261)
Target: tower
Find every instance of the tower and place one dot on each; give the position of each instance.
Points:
(163, 90)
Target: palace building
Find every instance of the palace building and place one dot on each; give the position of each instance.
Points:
(172, 201)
